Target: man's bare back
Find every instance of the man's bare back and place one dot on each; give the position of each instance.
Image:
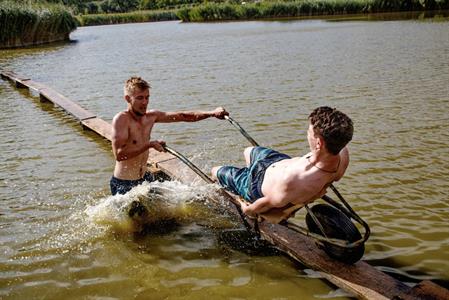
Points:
(297, 180)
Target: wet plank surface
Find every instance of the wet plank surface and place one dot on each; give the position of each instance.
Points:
(99, 126)
(48, 94)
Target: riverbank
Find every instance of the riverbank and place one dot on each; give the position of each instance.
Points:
(24, 25)
(306, 8)
(131, 17)
(211, 11)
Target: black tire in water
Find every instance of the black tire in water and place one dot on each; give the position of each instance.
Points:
(338, 225)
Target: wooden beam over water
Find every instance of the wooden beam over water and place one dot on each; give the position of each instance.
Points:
(361, 279)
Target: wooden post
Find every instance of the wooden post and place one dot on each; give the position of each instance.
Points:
(43, 99)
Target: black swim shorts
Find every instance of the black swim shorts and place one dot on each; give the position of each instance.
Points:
(121, 186)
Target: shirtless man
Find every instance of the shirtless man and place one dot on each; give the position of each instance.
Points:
(275, 180)
(131, 133)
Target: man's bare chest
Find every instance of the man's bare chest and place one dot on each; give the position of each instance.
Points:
(139, 133)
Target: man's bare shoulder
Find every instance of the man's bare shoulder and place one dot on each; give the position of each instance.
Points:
(344, 163)
(121, 117)
(155, 115)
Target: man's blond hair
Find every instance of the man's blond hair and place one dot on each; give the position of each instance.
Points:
(135, 83)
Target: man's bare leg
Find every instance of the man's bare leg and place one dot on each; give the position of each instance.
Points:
(247, 154)
(214, 173)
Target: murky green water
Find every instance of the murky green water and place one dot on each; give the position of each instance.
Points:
(391, 77)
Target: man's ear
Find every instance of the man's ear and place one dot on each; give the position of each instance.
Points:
(127, 98)
(320, 145)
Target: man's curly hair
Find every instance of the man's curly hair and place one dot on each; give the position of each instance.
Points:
(335, 127)
(135, 83)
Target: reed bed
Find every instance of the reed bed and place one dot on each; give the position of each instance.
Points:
(24, 24)
(131, 17)
(278, 9)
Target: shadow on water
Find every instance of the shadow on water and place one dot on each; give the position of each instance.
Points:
(396, 269)
(393, 16)
(244, 241)
(158, 228)
(225, 241)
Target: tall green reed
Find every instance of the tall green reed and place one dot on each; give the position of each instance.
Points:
(279, 9)
(131, 17)
(23, 24)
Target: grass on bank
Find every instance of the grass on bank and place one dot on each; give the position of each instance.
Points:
(131, 17)
(33, 23)
(232, 10)
(278, 9)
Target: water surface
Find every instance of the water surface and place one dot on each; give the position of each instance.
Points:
(391, 77)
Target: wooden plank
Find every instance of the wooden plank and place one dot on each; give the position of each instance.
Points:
(69, 106)
(20, 81)
(156, 157)
(427, 290)
(51, 95)
(99, 126)
(33, 85)
(185, 175)
(11, 76)
(169, 164)
(14, 78)
(361, 279)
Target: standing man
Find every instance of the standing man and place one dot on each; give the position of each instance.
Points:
(131, 133)
(276, 180)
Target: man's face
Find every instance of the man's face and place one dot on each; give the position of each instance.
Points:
(139, 100)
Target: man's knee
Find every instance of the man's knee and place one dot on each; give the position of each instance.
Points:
(247, 154)
(214, 172)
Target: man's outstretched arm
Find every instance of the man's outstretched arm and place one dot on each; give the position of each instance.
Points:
(189, 116)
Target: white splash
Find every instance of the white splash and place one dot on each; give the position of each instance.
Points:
(152, 203)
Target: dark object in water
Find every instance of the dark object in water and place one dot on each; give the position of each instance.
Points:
(136, 208)
(336, 225)
(158, 227)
